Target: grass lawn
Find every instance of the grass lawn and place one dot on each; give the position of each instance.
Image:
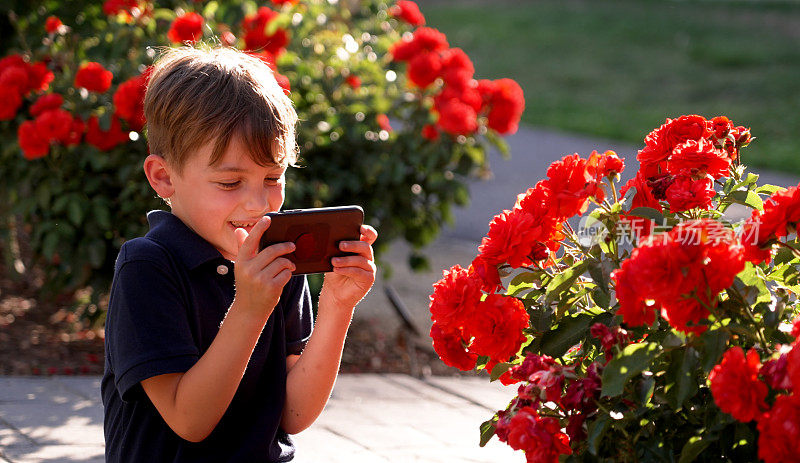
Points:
(617, 69)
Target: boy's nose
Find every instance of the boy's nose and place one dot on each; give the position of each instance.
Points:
(257, 204)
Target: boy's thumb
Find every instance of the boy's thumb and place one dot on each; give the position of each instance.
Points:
(241, 235)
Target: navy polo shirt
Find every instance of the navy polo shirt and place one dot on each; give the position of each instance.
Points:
(170, 293)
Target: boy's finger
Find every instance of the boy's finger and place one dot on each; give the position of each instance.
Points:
(249, 246)
(368, 234)
(353, 261)
(361, 248)
(271, 253)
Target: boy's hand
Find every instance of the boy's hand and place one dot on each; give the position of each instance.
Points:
(260, 276)
(352, 276)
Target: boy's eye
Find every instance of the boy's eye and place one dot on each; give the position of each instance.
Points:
(272, 180)
(229, 185)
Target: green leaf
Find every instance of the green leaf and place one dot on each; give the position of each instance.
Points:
(564, 280)
(570, 331)
(748, 198)
(487, 431)
(693, 448)
(648, 213)
(681, 381)
(596, 430)
(75, 210)
(645, 390)
(50, 244)
(634, 359)
(769, 189)
(499, 369)
(715, 342)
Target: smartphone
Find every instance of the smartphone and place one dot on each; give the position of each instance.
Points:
(316, 234)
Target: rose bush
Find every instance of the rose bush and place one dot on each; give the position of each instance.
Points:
(72, 125)
(647, 324)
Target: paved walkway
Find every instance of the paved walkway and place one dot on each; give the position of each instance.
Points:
(370, 418)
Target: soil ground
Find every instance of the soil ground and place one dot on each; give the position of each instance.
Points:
(45, 338)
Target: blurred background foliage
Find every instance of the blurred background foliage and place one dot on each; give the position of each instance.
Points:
(617, 68)
(66, 207)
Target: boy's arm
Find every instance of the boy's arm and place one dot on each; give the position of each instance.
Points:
(311, 376)
(192, 403)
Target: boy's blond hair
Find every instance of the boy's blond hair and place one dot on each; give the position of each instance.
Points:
(196, 95)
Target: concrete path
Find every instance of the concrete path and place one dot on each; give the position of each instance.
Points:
(370, 419)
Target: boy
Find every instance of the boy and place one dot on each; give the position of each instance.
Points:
(209, 351)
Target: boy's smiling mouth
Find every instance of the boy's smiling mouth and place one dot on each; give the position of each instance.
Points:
(246, 225)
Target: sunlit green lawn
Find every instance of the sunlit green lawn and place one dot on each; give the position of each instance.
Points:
(617, 68)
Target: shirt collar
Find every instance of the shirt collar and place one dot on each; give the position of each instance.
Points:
(188, 246)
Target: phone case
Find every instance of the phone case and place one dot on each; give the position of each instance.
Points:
(316, 233)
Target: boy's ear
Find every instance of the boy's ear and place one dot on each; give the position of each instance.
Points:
(159, 175)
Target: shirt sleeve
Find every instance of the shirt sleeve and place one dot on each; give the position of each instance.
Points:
(147, 327)
(299, 315)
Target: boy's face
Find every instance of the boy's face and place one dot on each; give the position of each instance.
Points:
(216, 200)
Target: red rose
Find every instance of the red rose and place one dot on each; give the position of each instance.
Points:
(507, 104)
(105, 140)
(16, 78)
(457, 118)
(10, 101)
(497, 325)
(39, 77)
(644, 195)
(655, 152)
(449, 346)
(429, 132)
(408, 11)
(457, 69)
(353, 81)
(52, 24)
(468, 94)
(113, 7)
(736, 387)
(685, 128)
(424, 68)
(512, 237)
(571, 186)
(779, 431)
(775, 373)
(536, 200)
(255, 32)
(285, 2)
(540, 438)
(701, 156)
(604, 165)
(793, 367)
(685, 315)
(424, 39)
(32, 144)
(54, 125)
(93, 77)
(46, 102)
(781, 211)
(488, 273)
(383, 122)
(686, 193)
(721, 126)
(186, 28)
(455, 297)
(129, 101)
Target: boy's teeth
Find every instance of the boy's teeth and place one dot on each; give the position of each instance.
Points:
(243, 225)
